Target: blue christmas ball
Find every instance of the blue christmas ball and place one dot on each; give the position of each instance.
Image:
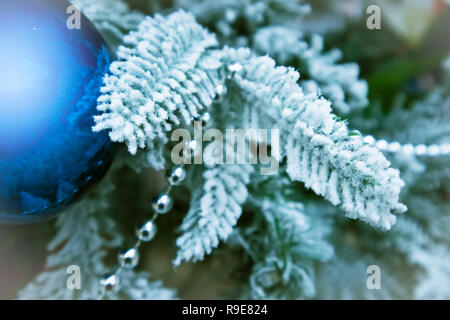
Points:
(49, 82)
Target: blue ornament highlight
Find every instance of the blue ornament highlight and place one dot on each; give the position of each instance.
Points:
(50, 79)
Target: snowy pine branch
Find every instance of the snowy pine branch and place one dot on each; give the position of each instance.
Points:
(215, 207)
(135, 285)
(113, 18)
(284, 243)
(428, 121)
(86, 233)
(319, 71)
(226, 17)
(272, 28)
(435, 260)
(320, 151)
(163, 78)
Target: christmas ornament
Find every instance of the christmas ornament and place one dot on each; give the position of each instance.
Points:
(51, 76)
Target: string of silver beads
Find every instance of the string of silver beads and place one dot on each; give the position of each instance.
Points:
(433, 150)
(162, 204)
(145, 232)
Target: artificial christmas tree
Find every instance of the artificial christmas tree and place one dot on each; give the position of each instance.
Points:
(286, 235)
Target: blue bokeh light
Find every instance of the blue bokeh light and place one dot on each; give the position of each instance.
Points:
(49, 83)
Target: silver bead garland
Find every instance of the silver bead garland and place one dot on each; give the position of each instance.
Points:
(433, 150)
(162, 204)
(145, 232)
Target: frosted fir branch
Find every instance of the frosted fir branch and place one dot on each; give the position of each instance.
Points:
(426, 123)
(413, 248)
(85, 234)
(429, 197)
(135, 285)
(266, 282)
(421, 135)
(320, 71)
(345, 171)
(163, 78)
(435, 259)
(271, 28)
(113, 18)
(412, 239)
(284, 243)
(345, 278)
(215, 207)
(320, 151)
(225, 17)
(358, 246)
(424, 237)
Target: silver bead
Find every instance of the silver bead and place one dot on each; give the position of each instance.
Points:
(420, 149)
(433, 150)
(129, 258)
(370, 140)
(146, 231)
(162, 204)
(444, 149)
(176, 176)
(408, 149)
(381, 144)
(110, 282)
(394, 147)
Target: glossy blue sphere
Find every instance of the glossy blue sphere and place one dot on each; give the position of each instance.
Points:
(50, 79)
